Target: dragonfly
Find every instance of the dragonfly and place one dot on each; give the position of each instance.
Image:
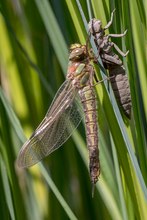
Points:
(64, 115)
(112, 62)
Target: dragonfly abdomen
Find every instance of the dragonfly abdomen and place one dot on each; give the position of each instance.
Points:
(121, 88)
(88, 99)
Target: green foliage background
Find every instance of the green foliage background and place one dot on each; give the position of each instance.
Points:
(34, 40)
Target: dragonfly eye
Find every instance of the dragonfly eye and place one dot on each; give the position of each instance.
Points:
(74, 46)
(77, 54)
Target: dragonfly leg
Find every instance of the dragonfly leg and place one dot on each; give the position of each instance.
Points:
(119, 51)
(98, 82)
(117, 35)
(106, 78)
(93, 85)
(111, 20)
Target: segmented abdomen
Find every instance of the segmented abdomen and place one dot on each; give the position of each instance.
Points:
(121, 88)
(88, 99)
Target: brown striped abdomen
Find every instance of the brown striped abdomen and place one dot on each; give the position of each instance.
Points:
(121, 88)
(88, 99)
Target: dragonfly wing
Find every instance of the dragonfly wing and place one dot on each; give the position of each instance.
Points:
(60, 121)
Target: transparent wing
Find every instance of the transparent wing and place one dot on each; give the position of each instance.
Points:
(62, 117)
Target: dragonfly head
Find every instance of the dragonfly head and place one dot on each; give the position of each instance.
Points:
(78, 52)
(95, 26)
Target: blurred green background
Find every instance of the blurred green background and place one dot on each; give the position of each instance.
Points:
(34, 39)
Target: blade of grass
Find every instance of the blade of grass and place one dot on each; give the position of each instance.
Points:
(7, 189)
(119, 183)
(53, 31)
(139, 82)
(76, 20)
(56, 192)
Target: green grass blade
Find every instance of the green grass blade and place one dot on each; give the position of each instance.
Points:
(53, 187)
(76, 20)
(53, 31)
(12, 117)
(119, 181)
(7, 189)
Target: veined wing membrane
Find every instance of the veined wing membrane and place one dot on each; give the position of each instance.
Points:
(57, 126)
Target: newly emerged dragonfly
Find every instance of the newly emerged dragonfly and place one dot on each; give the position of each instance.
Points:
(64, 115)
(113, 63)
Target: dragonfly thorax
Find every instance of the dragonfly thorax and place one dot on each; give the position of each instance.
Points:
(79, 73)
(79, 67)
